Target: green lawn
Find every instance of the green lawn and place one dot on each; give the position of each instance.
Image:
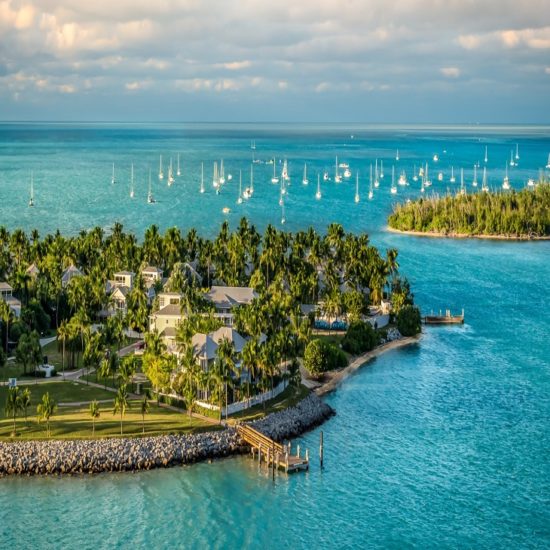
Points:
(76, 423)
(10, 370)
(287, 399)
(110, 383)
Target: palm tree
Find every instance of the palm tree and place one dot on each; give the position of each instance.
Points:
(26, 401)
(63, 334)
(121, 403)
(94, 413)
(144, 407)
(46, 410)
(226, 357)
(13, 405)
(5, 315)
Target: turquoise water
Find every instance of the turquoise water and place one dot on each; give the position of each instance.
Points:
(444, 444)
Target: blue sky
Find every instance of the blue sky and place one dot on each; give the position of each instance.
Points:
(251, 60)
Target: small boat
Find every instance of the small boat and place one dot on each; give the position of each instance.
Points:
(427, 180)
(452, 178)
(305, 181)
(161, 173)
(402, 179)
(436, 158)
(462, 189)
(31, 199)
(397, 155)
(178, 171)
(249, 191)
(474, 181)
(229, 177)
(170, 174)
(506, 181)
(337, 176)
(326, 176)
(530, 182)
(222, 174)
(215, 177)
(356, 198)
(548, 163)
(275, 178)
(484, 186)
(226, 210)
(517, 151)
(381, 169)
(343, 165)
(486, 158)
(318, 194)
(283, 217)
(415, 176)
(150, 198)
(284, 174)
(512, 163)
(253, 145)
(393, 188)
(421, 172)
(113, 180)
(240, 197)
(422, 189)
(371, 192)
(376, 180)
(447, 319)
(202, 178)
(132, 182)
(440, 176)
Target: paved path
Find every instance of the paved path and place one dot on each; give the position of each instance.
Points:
(46, 341)
(84, 403)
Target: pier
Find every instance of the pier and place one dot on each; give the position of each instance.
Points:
(447, 319)
(278, 456)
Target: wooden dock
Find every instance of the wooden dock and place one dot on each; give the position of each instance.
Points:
(275, 455)
(447, 319)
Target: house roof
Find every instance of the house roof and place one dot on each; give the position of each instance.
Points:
(171, 310)
(230, 334)
(152, 269)
(32, 269)
(71, 270)
(122, 290)
(204, 346)
(228, 296)
(5, 286)
(123, 273)
(168, 332)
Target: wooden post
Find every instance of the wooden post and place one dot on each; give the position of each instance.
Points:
(286, 462)
(268, 453)
(321, 449)
(259, 455)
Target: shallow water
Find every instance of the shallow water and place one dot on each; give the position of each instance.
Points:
(442, 444)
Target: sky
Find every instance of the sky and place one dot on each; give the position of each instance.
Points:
(379, 61)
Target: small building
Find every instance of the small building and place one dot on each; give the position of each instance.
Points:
(6, 293)
(118, 300)
(166, 321)
(168, 298)
(227, 298)
(71, 272)
(151, 275)
(123, 278)
(32, 271)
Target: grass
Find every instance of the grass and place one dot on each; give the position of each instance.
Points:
(76, 423)
(112, 384)
(290, 397)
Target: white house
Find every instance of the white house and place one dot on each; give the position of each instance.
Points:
(226, 298)
(71, 272)
(166, 321)
(6, 291)
(151, 275)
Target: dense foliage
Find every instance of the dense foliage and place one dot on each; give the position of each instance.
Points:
(523, 213)
(320, 357)
(360, 337)
(409, 321)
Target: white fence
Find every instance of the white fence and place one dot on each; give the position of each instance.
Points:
(247, 403)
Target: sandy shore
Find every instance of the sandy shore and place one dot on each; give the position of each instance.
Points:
(464, 236)
(336, 378)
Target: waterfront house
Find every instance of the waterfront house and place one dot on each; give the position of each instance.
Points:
(166, 321)
(6, 293)
(71, 272)
(226, 298)
(151, 275)
(32, 271)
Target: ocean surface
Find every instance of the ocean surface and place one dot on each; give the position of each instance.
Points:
(445, 444)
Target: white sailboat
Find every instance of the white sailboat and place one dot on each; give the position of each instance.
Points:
(462, 189)
(474, 181)
(530, 182)
(397, 155)
(506, 181)
(415, 175)
(275, 178)
(427, 180)
(113, 180)
(284, 174)
(484, 186)
(393, 188)
(283, 216)
(512, 163)
(381, 169)
(222, 174)
(422, 189)
(132, 181)
(440, 176)
(326, 176)
(240, 197)
(161, 173)
(452, 179)
(356, 198)
(170, 174)
(31, 199)
(376, 181)
(150, 198)
(517, 151)
(178, 171)
(202, 178)
(486, 158)
(249, 191)
(337, 176)
(347, 172)
(215, 177)
(318, 194)
(402, 178)
(371, 192)
(305, 181)
(548, 163)
(436, 157)
(253, 145)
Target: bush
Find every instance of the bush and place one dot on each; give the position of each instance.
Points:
(360, 337)
(320, 357)
(408, 321)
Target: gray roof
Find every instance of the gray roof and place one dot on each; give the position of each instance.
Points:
(230, 334)
(229, 296)
(171, 310)
(124, 290)
(71, 270)
(204, 346)
(168, 332)
(151, 269)
(123, 273)
(5, 286)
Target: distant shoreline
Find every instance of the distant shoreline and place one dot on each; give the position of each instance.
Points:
(440, 235)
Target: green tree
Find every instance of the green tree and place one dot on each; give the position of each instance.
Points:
(121, 403)
(144, 409)
(26, 401)
(46, 409)
(409, 321)
(13, 405)
(94, 413)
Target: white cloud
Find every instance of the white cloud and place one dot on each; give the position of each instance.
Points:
(450, 72)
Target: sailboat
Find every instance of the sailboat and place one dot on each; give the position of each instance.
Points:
(284, 174)
(113, 180)
(240, 197)
(376, 182)
(170, 174)
(356, 187)
(337, 176)
(161, 173)
(462, 190)
(253, 145)
(283, 217)
(305, 181)
(436, 158)
(132, 182)
(427, 180)
(215, 179)
(512, 163)
(506, 181)
(178, 171)
(31, 199)
(484, 186)
(517, 151)
(486, 157)
(415, 175)
(474, 182)
(381, 169)
(397, 155)
(202, 178)
(275, 178)
(248, 192)
(222, 174)
(150, 198)
(371, 192)
(393, 188)
(440, 176)
(452, 179)
(548, 163)
(347, 172)
(326, 176)
(402, 178)
(318, 194)
(422, 189)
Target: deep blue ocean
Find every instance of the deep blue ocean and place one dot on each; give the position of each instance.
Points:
(445, 444)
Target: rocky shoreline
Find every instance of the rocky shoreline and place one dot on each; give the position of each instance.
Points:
(134, 454)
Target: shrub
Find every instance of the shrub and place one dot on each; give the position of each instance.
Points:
(360, 337)
(320, 357)
(408, 321)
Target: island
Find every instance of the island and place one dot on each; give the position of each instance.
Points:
(519, 215)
